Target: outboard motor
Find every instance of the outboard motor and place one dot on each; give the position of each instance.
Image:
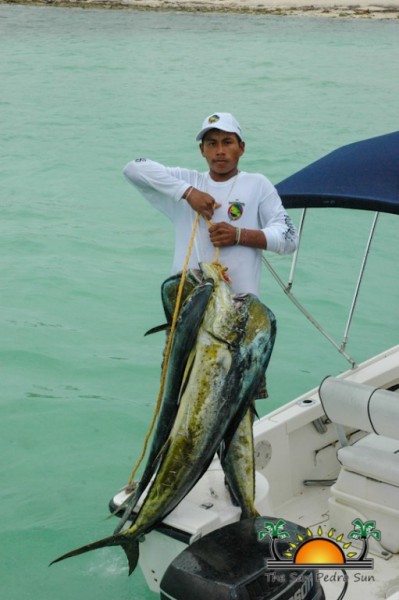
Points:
(231, 563)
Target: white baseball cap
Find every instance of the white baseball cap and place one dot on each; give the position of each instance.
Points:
(222, 121)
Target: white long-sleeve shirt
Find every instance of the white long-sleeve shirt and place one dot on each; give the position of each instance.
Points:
(248, 201)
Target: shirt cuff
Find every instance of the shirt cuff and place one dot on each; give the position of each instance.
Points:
(273, 240)
(180, 191)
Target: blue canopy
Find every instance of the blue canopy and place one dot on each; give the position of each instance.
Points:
(363, 175)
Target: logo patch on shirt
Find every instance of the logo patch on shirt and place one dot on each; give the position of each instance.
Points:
(235, 210)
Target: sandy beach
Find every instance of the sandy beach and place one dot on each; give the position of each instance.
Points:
(369, 9)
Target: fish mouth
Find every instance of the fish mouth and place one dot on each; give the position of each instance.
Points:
(198, 275)
(210, 271)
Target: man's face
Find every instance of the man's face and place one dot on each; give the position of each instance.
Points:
(222, 151)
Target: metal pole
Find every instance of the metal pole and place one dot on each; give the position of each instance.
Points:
(359, 281)
(307, 314)
(296, 253)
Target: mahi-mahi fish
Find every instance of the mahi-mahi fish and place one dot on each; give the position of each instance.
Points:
(195, 298)
(222, 374)
(238, 463)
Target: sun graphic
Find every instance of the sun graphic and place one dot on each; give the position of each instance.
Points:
(319, 550)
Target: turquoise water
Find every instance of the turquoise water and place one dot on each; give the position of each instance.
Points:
(82, 256)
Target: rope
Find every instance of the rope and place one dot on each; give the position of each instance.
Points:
(216, 261)
(168, 347)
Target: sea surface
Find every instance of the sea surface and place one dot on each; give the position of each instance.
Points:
(83, 256)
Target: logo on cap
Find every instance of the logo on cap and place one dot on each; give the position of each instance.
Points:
(213, 118)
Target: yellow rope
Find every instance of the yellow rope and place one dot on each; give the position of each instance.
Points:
(222, 271)
(216, 261)
(168, 347)
(217, 250)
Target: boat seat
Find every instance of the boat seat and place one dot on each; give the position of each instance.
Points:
(360, 406)
(367, 486)
(373, 456)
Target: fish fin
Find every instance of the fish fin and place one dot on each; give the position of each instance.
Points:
(132, 553)
(103, 543)
(233, 498)
(249, 513)
(131, 502)
(186, 374)
(222, 450)
(130, 489)
(128, 507)
(129, 544)
(163, 327)
(162, 452)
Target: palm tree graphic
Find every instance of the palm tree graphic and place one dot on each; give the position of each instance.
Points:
(363, 531)
(276, 532)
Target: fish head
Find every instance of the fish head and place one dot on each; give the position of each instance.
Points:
(214, 271)
(224, 318)
(170, 288)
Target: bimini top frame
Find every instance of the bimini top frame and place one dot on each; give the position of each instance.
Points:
(361, 176)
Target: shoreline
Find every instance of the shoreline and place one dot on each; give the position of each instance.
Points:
(377, 9)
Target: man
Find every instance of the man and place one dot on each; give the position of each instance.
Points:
(243, 215)
(245, 210)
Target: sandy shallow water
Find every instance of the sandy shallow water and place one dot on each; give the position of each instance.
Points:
(377, 9)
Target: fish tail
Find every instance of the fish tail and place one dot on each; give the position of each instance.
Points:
(129, 544)
(249, 512)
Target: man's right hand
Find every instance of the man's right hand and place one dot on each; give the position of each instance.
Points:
(201, 202)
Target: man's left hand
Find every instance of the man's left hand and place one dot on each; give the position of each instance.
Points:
(222, 234)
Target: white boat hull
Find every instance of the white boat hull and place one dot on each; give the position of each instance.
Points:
(296, 463)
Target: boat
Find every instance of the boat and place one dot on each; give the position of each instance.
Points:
(326, 460)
